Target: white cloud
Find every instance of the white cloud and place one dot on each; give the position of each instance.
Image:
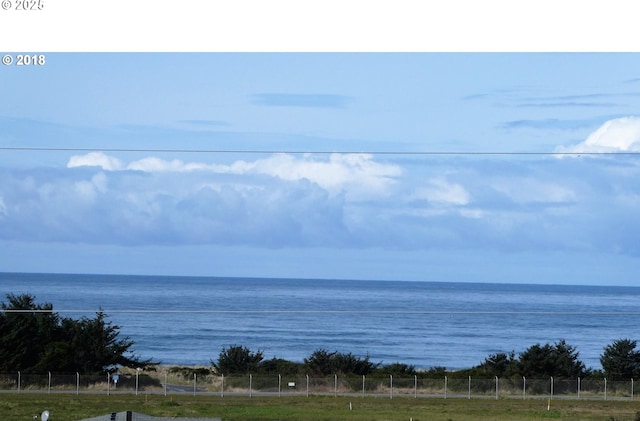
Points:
(89, 190)
(440, 192)
(95, 159)
(617, 135)
(356, 175)
(153, 164)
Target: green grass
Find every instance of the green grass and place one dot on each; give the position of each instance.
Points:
(71, 407)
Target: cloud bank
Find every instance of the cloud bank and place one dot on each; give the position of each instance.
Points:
(355, 201)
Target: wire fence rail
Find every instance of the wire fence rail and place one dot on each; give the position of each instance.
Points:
(337, 385)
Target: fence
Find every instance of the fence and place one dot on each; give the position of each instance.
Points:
(278, 385)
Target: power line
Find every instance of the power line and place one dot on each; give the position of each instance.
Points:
(318, 152)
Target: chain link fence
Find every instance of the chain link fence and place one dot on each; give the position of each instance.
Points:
(277, 385)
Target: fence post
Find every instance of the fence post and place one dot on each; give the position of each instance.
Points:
(222, 387)
(551, 387)
(49, 385)
(335, 385)
(165, 383)
(391, 386)
(137, 380)
(524, 387)
(579, 386)
(250, 385)
(496, 387)
(307, 385)
(77, 383)
(363, 382)
(279, 385)
(605, 388)
(415, 386)
(108, 384)
(631, 388)
(445, 387)
(19, 381)
(195, 383)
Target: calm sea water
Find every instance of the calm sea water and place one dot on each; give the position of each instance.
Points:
(188, 320)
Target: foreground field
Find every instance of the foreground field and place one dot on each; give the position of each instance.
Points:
(65, 407)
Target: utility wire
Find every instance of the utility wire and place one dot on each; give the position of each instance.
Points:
(319, 152)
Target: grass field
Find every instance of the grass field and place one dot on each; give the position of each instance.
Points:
(68, 407)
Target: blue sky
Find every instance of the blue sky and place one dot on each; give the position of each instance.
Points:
(421, 201)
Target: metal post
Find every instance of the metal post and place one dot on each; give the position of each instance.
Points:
(77, 383)
(631, 389)
(165, 383)
(19, 381)
(222, 388)
(415, 386)
(445, 387)
(524, 387)
(551, 387)
(335, 385)
(195, 382)
(469, 387)
(137, 381)
(363, 381)
(496, 387)
(250, 385)
(605, 388)
(49, 386)
(279, 385)
(307, 385)
(391, 386)
(108, 383)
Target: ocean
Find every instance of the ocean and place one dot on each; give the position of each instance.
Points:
(188, 320)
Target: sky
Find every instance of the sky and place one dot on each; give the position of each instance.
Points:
(516, 167)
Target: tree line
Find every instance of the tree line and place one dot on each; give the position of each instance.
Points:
(620, 361)
(33, 338)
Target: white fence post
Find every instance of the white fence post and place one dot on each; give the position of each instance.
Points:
(307, 385)
(77, 383)
(363, 383)
(279, 385)
(496, 387)
(445, 387)
(391, 386)
(579, 386)
(335, 385)
(551, 387)
(49, 384)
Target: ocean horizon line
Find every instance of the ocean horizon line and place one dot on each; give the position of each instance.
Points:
(321, 279)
